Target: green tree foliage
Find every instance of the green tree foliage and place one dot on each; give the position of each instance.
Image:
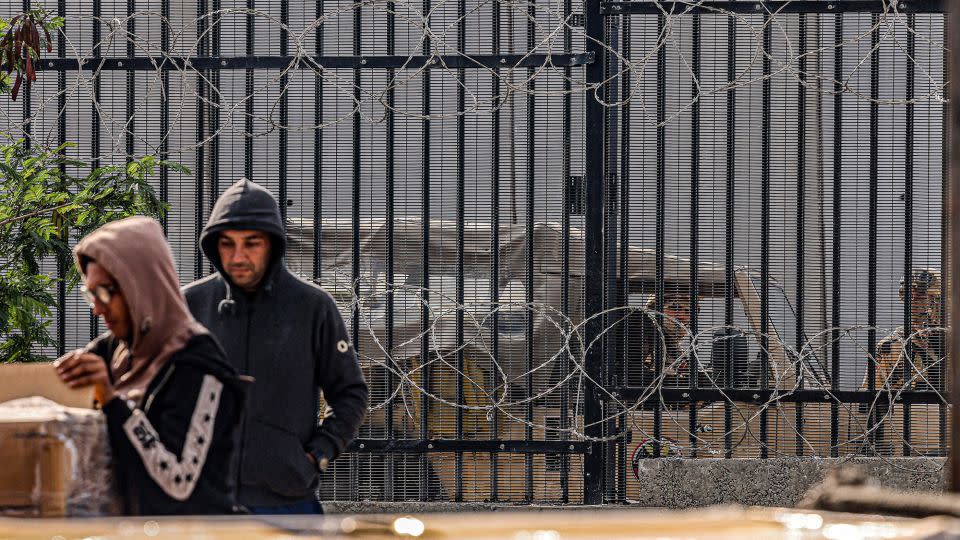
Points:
(43, 206)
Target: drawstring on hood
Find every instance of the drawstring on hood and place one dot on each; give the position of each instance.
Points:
(243, 206)
(135, 252)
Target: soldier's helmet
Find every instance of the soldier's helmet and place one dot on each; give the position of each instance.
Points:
(925, 281)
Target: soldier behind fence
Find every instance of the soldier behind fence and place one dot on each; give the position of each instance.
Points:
(645, 337)
(926, 352)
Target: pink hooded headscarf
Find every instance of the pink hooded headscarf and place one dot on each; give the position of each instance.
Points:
(135, 252)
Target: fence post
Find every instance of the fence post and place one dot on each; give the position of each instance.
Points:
(953, 21)
(593, 463)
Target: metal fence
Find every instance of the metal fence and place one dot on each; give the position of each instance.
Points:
(567, 236)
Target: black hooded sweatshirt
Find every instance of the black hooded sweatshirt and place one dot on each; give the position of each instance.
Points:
(290, 337)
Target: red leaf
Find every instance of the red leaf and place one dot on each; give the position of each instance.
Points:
(31, 74)
(16, 87)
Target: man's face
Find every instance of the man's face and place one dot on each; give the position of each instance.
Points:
(115, 313)
(245, 255)
(677, 311)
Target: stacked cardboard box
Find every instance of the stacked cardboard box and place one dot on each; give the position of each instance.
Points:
(55, 457)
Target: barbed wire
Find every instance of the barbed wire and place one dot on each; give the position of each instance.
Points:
(493, 394)
(548, 24)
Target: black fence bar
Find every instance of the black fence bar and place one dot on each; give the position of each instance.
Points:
(658, 357)
(623, 300)
(531, 209)
(837, 223)
(320, 63)
(758, 396)
(214, 105)
(565, 247)
(165, 109)
(425, 279)
(770, 7)
(284, 106)
(594, 195)
(801, 217)
(694, 361)
(391, 214)
(874, 175)
(200, 172)
(62, 262)
(95, 125)
(609, 344)
(27, 105)
(872, 221)
(426, 446)
(318, 172)
(731, 171)
(495, 248)
(461, 218)
(944, 238)
(908, 225)
(765, 235)
(354, 207)
(129, 126)
(248, 94)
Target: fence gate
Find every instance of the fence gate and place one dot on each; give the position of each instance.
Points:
(567, 236)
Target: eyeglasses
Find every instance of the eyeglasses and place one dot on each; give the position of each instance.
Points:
(103, 293)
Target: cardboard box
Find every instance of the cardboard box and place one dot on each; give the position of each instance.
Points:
(53, 447)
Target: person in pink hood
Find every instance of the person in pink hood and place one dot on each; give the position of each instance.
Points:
(171, 401)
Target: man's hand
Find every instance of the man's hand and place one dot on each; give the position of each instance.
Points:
(79, 369)
(312, 459)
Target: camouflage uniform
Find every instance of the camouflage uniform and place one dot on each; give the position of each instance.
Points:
(927, 342)
(927, 349)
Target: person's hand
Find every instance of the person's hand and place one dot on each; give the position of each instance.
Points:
(78, 369)
(312, 459)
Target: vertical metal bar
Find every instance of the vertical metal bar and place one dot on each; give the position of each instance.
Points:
(765, 236)
(214, 106)
(623, 290)
(128, 124)
(165, 107)
(531, 167)
(318, 157)
(801, 220)
(944, 253)
(390, 173)
(873, 178)
(202, 37)
(27, 104)
(593, 255)
(62, 262)
(908, 222)
(95, 124)
(284, 106)
(355, 206)
(660, 224)
(609, 343)
(728, 278)
(495, 249)
(837, 223)
(248, 98)
(953, 136)
(425, 278)
(565, 247)
(461, 210)
(694, 361)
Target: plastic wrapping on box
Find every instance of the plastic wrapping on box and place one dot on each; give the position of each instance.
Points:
(54, 460)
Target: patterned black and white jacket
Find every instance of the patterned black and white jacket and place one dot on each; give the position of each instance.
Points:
(174, 448)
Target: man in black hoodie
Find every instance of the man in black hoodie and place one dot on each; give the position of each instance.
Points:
(288, 334)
